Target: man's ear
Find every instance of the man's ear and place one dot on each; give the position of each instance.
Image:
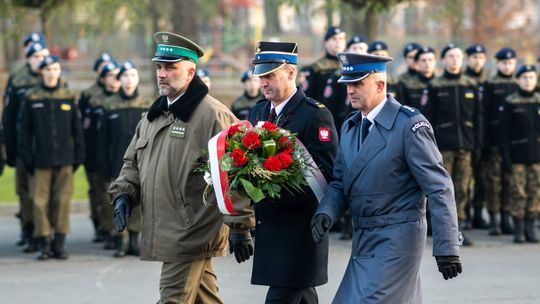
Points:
(380, 85)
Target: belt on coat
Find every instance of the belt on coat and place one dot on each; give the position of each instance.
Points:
(360, 222)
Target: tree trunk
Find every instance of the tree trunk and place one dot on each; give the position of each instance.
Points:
(184, 19)
(271, 8)
(371, 24)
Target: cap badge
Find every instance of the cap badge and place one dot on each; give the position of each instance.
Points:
(165, 38)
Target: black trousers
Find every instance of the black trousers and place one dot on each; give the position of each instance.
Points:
(287, 295)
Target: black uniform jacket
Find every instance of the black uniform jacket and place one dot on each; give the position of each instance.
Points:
(285, 253)
(116, 129)
(456, 113)
(520, 125)
(51, 132)
(498, 88)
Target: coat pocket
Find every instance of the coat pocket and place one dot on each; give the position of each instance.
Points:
(140, 145)
(184, 210)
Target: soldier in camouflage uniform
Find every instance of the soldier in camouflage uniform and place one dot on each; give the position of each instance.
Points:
(89, 127)
(415, 91)
(520, 150)
(318, 74)
(108, 73)
(51, 146)
(380, 48)
(476, 61)
(242, 105)
(497, 182)
(456, 116)
(409, 53)
(20, 83)
(122, 113)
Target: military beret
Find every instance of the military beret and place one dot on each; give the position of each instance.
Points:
(48, 60)
(524, 69)
(331, 31)
(409, 47)
(270, 56)
(202, 72)
(356, 39)
(246, 75)
(126, 66)
(355, 67)
(104, 57)
(109, 67)
(447, 48)
(173, 48)
(424, 50)
(505, 53)
(377, 46)
(35, 37)
(34, 47)
(475, 49)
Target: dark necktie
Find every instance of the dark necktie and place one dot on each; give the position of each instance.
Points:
(272, 115)
(365, 128)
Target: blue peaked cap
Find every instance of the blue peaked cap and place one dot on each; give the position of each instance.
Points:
(356, 67)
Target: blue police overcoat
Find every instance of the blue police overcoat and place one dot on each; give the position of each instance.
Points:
(385, 183)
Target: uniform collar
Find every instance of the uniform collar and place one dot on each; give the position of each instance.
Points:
(282, 105)
(373, 113)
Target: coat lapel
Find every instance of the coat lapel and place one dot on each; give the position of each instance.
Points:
(290, 107)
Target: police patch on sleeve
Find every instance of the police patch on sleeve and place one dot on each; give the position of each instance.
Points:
(420, 124)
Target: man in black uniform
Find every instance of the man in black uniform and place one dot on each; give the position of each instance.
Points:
(318, 74)
(409, 53)
(380, 48)
(520, 150)
(21, 82)
(51, 147)
(243, 104)
(415, 92)
(476, 61)
(117, 125)
(286, 258)
(456, 115)
(89, 124)
(497, 182)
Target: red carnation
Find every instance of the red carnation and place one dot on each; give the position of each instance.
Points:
(234, 129)
(272, 163)
(269, 126)
(283, 138)
(285, 159)
(251, 140)
(239, 157)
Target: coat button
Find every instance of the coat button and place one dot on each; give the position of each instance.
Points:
(259, 222)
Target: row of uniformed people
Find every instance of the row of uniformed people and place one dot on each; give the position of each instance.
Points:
(463, 105)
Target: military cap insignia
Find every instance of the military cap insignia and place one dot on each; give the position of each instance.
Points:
(378, 46)
(343, 59)
(409, 47)
(478, 48)
(35, 37)
(105, 57)
(49, 60)
(38, 47)
(508, 54)
(165, 38)
(420, 124)
(356, 39)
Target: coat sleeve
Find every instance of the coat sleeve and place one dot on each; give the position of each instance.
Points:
(245, 218)
(128, 181)
(333, 203)
(323, 151)
(78, 136)
(24, 141)
(425, 162)
(9, 122)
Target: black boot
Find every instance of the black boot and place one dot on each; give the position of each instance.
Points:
(98, 234)
(530, 233)
(109, 241)
(121, 246)
(32, 243)
(518, 230)
(26, 234)
(133, 248)
(44, 248)
(59, 250)
(466, 240)
(478, 221)
(506, 226)
(346, 228)
(494, 220)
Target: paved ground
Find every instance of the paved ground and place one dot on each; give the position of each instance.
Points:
(495, 271)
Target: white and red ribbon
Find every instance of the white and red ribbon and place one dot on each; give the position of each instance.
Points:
(220, 179)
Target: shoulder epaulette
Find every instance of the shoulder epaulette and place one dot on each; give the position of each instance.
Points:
(410, 111)
(314, 103)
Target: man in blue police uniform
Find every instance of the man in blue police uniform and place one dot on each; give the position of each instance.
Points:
(285, 257)
(386, 165)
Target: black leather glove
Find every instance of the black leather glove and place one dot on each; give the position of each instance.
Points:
(122, 210)
(449, 266)
(240, 243)
(320, 225)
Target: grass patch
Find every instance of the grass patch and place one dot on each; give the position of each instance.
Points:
(7, 186)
